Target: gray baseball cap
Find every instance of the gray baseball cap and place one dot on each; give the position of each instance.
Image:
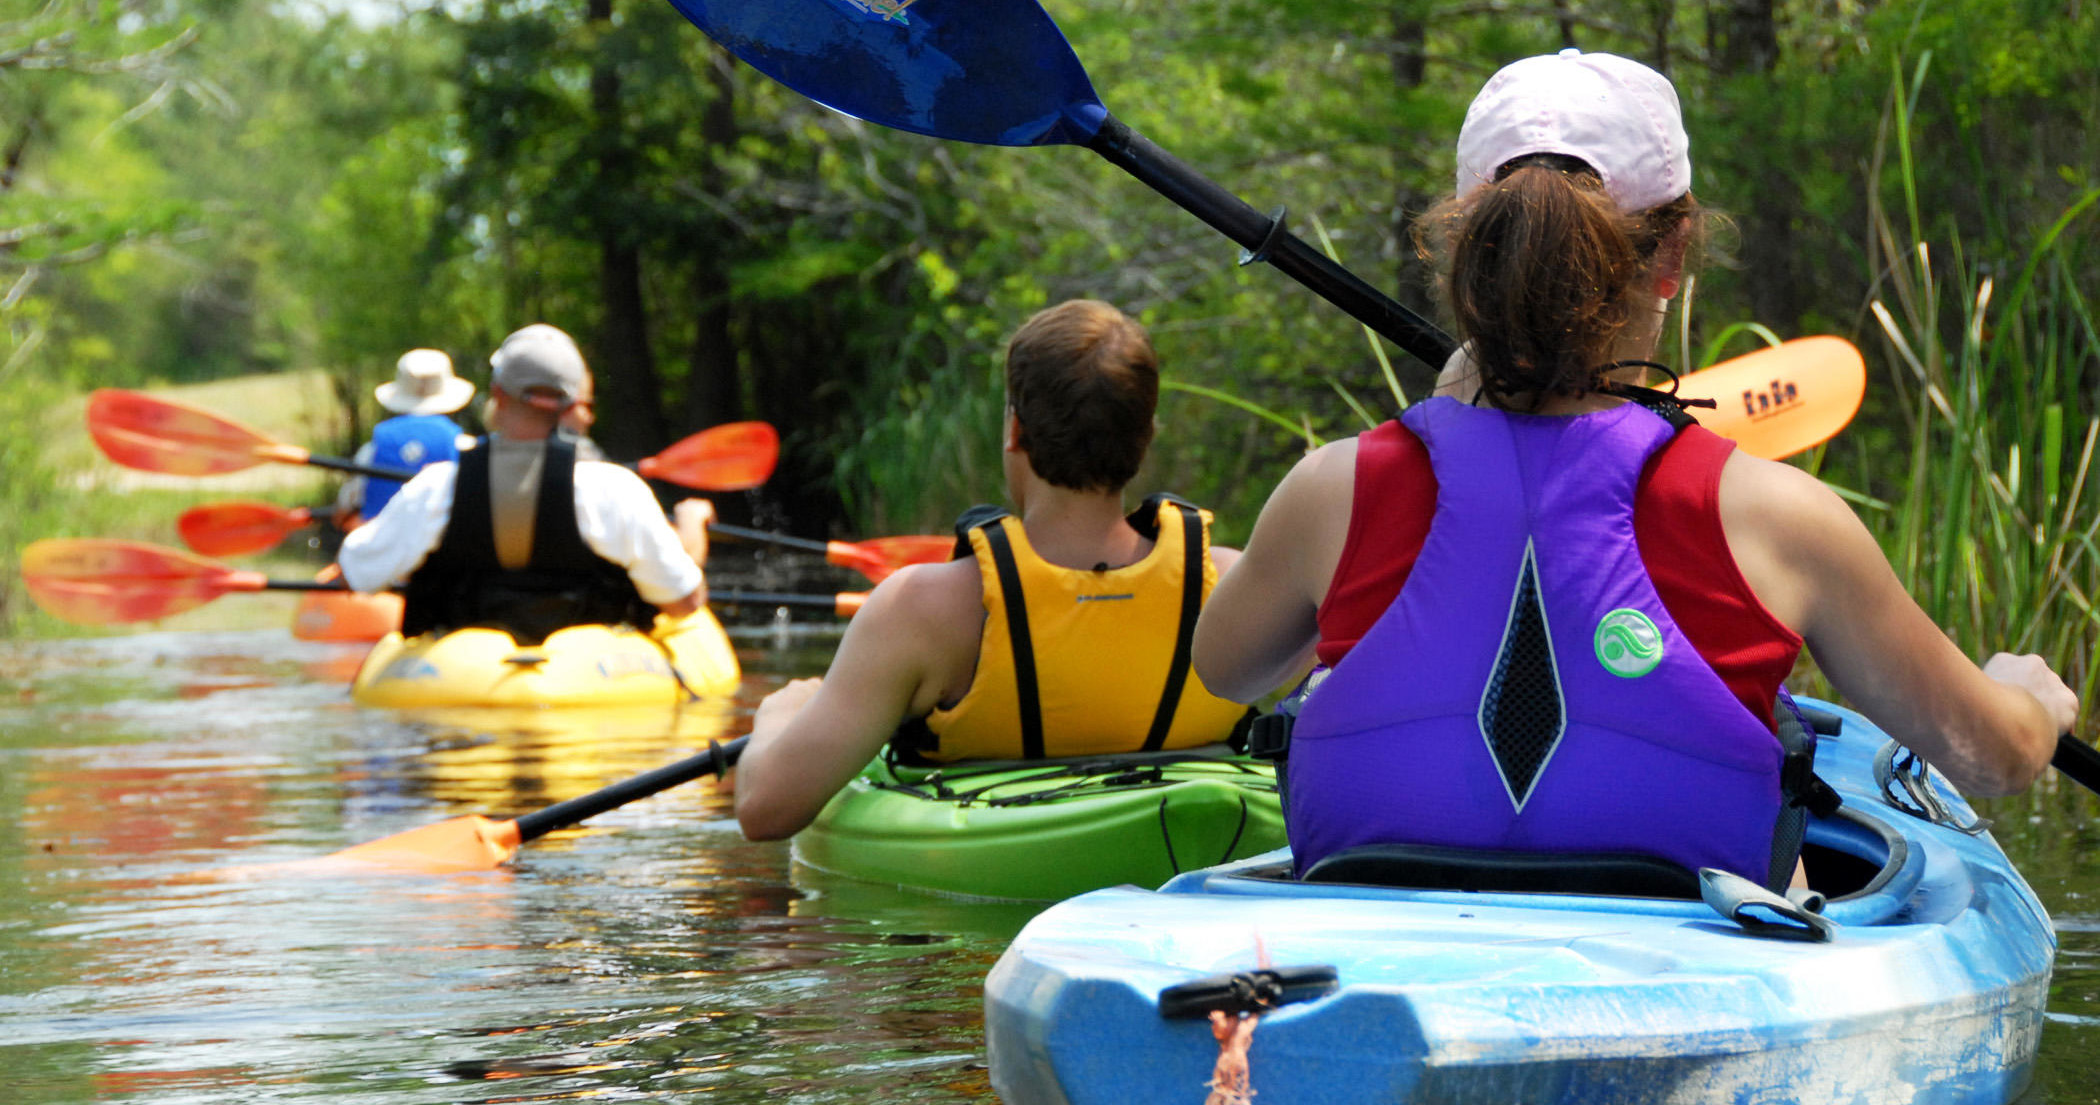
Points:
(536, 361)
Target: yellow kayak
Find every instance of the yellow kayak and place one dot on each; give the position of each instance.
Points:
(584, 665)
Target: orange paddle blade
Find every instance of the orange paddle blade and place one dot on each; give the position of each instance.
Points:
(98, 582)
(736, 456)
(1779, 401)
(163, 435)
(879, 557)
(346, 616)
(238, 528)
(471, 843)
(848, 603)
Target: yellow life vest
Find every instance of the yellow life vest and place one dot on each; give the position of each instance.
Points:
(1075, 662)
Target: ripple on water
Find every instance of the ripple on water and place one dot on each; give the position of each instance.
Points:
(651, 956)
(654, 956)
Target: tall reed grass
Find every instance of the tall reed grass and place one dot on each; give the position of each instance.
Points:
(1984, 493)
(1990, 508)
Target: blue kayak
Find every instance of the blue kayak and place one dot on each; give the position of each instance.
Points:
(1922, 979)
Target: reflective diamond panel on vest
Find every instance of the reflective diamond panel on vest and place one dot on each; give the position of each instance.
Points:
(1521, 714)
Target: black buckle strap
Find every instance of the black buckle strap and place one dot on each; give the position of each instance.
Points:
(1193, 553)
(1803, 788)
(1025, 688)
(1269, 738)
(1247, 992)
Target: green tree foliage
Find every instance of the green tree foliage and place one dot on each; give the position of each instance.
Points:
(75, 79)
(332, 193)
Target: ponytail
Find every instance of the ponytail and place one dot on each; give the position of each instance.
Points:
(1544, 273)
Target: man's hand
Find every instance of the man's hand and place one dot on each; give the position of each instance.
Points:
(690, 518)
(778, 708)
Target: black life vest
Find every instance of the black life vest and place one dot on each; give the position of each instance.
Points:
(462, 583)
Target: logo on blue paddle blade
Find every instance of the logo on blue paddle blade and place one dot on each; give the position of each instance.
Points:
(1628, 643)
(889, 10)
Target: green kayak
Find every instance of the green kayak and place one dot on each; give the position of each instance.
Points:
(1045, 830)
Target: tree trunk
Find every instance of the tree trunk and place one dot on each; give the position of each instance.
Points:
(1413, 279)
(713, 391)
(1749, 36)
(631, 416)
(1664, 16)
(1748, 41)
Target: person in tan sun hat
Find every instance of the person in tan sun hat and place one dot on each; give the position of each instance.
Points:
(522, 533)
(423, 394)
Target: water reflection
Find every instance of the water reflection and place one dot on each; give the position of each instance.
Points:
(652, 955)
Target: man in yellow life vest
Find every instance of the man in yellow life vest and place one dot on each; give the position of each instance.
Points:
(1065, 632)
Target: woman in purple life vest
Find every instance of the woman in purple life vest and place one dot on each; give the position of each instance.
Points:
(1550, 619)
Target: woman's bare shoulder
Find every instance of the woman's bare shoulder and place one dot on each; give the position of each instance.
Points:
(1780, 499)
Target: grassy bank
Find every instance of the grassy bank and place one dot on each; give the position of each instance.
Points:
(57, 484)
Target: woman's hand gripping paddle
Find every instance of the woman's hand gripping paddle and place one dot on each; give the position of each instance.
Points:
(999, 72)
(476, 843)
(148, 432)
(92, 581)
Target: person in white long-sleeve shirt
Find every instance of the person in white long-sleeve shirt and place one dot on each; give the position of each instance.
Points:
(545, 540)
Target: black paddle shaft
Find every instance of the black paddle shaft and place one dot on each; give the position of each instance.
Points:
(717, 759)
(2079, 760)
(743, 534)
(1265, 239)
(398, 474)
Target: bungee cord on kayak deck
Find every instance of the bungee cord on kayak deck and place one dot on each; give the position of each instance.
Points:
(1134, 772)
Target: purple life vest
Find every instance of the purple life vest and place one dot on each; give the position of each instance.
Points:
(1526, 690)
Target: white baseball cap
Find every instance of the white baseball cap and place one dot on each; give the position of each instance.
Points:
(539, 356)
(1618, 116)
(423, 383)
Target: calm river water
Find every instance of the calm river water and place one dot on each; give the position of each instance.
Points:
(651, 956)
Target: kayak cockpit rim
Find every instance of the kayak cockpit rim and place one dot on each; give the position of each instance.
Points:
(1853, 857)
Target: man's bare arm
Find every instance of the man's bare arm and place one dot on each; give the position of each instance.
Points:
(811, 737)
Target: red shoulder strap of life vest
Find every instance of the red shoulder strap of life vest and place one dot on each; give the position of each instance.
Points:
(1677, 524)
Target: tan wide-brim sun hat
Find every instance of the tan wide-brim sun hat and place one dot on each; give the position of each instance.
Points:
(424, 384)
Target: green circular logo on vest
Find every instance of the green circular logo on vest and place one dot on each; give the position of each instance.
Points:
(1628, 643)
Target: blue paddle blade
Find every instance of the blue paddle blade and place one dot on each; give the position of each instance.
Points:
(995, 72)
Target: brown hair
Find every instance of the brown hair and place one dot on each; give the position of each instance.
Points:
(1543, 271)
(1082, 381)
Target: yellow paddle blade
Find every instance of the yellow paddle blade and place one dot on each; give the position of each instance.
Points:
(471, 843)
(163, 435)
(1779, 401)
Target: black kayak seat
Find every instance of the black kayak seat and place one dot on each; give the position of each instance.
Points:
(1433, 867)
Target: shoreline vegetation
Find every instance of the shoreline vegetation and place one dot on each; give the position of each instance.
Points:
(228, 190)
